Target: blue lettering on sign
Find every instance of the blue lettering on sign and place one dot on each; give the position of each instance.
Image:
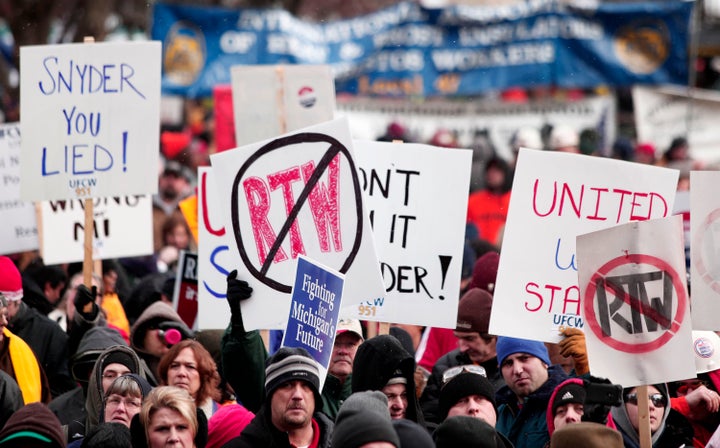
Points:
(568, 320)
(85, 79)
(82, 159)
(220, 269)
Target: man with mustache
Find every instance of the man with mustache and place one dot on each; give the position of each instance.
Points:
(287, 417)
(338, 382)
(529, 383)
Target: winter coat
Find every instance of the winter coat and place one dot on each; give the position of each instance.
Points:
(430, 398)
(334, 394)
(261, 433)
(526, 427)
(375, 362)
(10, 397)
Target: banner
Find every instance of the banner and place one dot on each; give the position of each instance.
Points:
(407, 50)
(705, 249)
(19, 230)
(90, 120)
(298, 194)
(122, 227)
(635, 302)
(555, 197)
(185, 292)
(416, 197)
(663, 113)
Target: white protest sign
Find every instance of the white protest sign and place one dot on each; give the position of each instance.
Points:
(270, 100)
(555, 197)
(663, 113)
(90, 120)
(122, 228)
(705, 249)
(19, 230)
(298, 194)
(215, 260)
(416, 196)
(635, 302)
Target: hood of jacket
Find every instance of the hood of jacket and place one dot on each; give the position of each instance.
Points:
(155, 313)
(95, 394)
(376, 361)
(92, 344)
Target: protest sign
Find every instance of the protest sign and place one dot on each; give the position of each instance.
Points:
(272, 100)
(90, 120)
(416, 197)
(19, 230)
(214, 257)
(185, 292)
(555, 197)
(705, 249)
(635, 302)
(666, 112)
(314, 309)
(298, 194)
(122, 227)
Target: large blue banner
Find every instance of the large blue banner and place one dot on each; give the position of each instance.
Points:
(408, 50)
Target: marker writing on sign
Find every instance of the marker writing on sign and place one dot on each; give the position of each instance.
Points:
(71, 77)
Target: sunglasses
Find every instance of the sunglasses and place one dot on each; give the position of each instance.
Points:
(658, 400)
(452, 372)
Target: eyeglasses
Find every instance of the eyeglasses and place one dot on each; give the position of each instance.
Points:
(452, 372)
(658, 400)
(114, 401)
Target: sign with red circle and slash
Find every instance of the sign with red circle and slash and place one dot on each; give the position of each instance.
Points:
(635, 302)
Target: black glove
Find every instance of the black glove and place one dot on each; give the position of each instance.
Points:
(85, 302)
(237, 291)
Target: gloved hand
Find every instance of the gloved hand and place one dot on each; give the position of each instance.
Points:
(85, 302)
(237, 291)
(574, 345)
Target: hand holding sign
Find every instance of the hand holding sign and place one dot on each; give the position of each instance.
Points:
(237, 291)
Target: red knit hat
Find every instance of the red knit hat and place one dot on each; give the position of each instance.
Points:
(485, 272)
(10, 280)
(474, 311)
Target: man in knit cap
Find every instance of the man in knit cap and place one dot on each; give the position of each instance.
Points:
(33, 426)
(530, 380)
(363, 419)
(288, 416)
(475, 346)
(467, 392)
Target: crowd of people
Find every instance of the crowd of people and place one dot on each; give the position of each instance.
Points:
(112, 364)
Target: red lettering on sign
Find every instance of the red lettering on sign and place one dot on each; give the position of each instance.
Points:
(258, 200)
(284, 180)
(325, 205)
(206, 218)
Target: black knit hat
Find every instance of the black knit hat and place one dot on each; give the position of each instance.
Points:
(120, 357)
(468, 431)
(464, 385)
(412, 435)
(289, 364)
(569, 393)
(364, 418)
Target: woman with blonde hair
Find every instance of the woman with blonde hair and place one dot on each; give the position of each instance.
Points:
(169, 417)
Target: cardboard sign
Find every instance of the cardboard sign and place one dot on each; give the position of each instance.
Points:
(298, 194)
(272, 100)
(705, 249)
(416, 196)
(314, 309)
(215, 260)
(122, 228)
(90, 120)
(555, 197)
(185, 292)
(635, 302)
(19, 230)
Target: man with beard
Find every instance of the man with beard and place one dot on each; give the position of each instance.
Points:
(287, 417)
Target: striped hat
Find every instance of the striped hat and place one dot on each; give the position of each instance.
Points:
(10, 280)
(290, 364)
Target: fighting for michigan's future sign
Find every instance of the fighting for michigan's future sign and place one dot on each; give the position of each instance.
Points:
(406, 49)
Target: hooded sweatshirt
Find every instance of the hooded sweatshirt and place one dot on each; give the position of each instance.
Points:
(376, 361)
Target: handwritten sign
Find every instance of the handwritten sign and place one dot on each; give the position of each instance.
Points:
(314, 309)
(704, 250)
(90, 120)
(19, 230)
(298, 194)
(555, 197)
(215, 260)
(419, 231)
(122, 227)
(635, 302)
(185, 292)
(269, 100)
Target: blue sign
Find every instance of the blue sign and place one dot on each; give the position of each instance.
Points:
(408, 50)
(314, 310)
